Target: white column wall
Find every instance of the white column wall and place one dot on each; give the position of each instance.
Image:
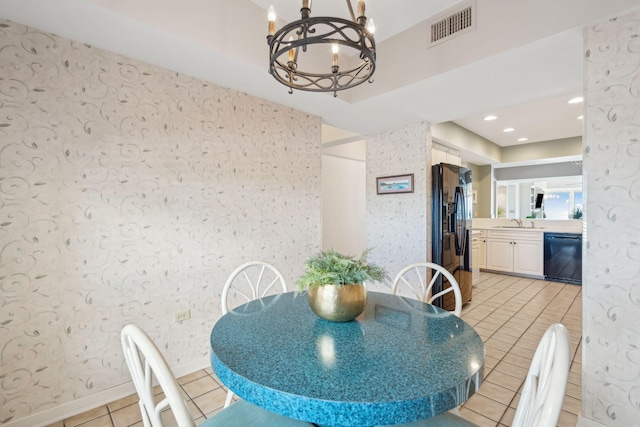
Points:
(611, 276)
(398, 225)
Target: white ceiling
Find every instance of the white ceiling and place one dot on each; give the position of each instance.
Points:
(391, 17)
(521, 62)
(549, 119)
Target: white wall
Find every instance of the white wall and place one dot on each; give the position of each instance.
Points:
(611, 276)
(129, 192)
(344, 225)
(454, 135)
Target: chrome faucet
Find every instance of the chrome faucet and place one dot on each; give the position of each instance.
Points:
(518, 221)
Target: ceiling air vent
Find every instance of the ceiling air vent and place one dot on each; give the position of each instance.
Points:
(452, 23)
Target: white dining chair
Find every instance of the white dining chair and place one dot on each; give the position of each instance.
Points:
(147, 366)
(250, 281)
(543, 391)
(417, 280)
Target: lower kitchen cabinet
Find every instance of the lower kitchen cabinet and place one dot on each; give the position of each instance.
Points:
(499, 255)
(475, 267)
(475, 262)
(515, 252)
(482, 249)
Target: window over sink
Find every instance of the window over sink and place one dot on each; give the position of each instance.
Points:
(562, 198)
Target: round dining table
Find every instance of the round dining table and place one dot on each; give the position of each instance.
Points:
(401, 360)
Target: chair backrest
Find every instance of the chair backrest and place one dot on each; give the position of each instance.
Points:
(418, 279)
(146, 366)
(543, 391)
(252, 280)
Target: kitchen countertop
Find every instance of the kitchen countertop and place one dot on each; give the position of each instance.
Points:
(540, 225)
(527, 229)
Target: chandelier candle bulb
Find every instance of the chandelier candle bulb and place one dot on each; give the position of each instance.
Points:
(371, 26)
(291, 51)
(306, 8)
(335, 49)
(361, 8)
(271, 17)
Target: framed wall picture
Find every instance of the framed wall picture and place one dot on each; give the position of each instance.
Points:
(395, 184)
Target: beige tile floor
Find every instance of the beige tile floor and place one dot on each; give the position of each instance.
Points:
(509, 313)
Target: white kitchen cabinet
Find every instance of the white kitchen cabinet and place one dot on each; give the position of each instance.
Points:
(474, 253)
(441, 154)
(438, 155)
(482, 249)
(515, 252)
(528, 257)
(475, 267)
(454, 158)
(500, 255)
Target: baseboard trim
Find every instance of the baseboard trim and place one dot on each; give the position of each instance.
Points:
(585, 422)
(83, 404)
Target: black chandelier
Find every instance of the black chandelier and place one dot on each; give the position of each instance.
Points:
(310, 71)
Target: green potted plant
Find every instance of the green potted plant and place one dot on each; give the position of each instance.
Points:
(335, 283)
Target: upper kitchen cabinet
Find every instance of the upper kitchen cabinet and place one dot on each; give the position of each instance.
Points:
(442, 154)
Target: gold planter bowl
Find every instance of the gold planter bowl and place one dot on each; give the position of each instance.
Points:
(338, 303)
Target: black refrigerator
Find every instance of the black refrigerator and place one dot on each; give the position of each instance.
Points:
(451, 229)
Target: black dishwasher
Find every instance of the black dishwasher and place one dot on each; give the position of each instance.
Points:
(563, 257)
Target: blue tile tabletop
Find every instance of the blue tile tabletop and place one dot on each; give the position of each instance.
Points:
(399, 361)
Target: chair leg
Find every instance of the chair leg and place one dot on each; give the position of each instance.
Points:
(227, 402)
(146, 422)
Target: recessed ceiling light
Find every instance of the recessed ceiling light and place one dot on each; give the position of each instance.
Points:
(490, 117)
(523, 139)
(576, 100)
(580, 117)
(508, 130)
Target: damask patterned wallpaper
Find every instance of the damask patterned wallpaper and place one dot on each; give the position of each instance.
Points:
(397, 224)
(611, 285)
(129, 192)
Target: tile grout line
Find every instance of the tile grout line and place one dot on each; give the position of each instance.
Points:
(551, 300)
(511, 346)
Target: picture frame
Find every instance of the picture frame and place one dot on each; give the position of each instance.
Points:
(394, 184)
